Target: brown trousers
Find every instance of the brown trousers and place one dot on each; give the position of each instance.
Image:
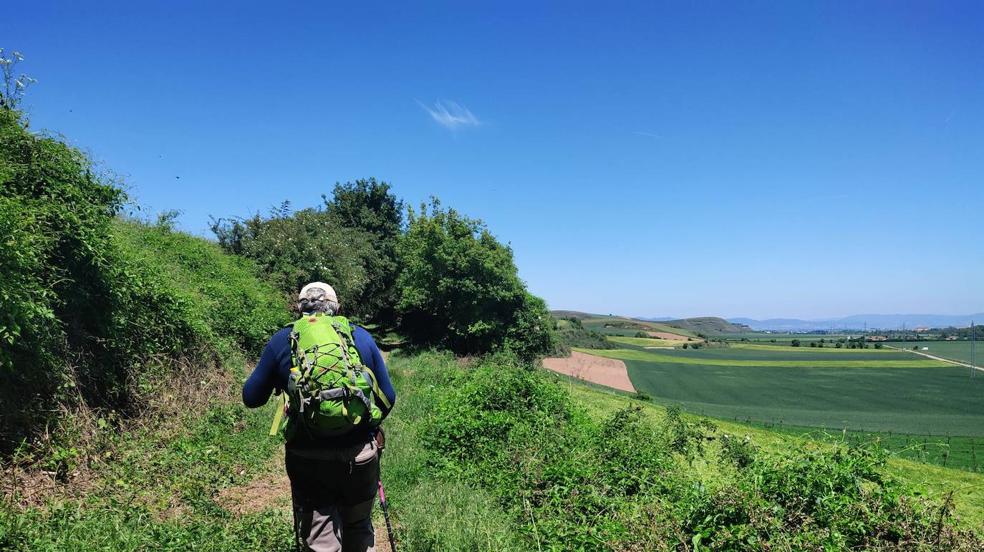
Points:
(333, 492)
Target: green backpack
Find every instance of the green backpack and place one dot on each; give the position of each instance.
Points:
(330, 390)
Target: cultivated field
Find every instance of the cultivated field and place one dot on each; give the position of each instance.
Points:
(866, 390)
(953, 350)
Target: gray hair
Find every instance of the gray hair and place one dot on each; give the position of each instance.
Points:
(308, 306)
(317, 300)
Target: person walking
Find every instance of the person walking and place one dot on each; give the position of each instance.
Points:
(338, 392)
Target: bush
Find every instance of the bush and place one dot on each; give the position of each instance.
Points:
(580, 337)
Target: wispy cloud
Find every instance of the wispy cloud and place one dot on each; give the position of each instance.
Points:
(647, 134)
(450, 114)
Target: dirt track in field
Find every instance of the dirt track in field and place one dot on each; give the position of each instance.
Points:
(604, 371)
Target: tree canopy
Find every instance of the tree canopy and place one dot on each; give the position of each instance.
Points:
(459, 288)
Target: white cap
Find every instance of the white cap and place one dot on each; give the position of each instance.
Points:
(318, 291)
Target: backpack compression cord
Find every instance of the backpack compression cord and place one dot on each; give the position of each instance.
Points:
(330, 390)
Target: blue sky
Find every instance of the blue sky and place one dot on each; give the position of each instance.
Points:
(691, 158)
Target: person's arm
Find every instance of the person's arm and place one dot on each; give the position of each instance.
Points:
(263, 380)
(369, 352)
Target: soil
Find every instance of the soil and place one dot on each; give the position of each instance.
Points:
(272, 490)
(604, 371)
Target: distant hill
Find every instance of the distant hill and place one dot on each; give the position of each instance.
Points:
(574, 314)
(707, 325)
(858, 321)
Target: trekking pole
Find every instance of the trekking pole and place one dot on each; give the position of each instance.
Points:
(386, 516)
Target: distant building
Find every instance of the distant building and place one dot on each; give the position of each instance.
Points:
(877, 338)
(921, 329)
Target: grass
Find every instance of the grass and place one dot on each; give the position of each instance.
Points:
(828, 348)
(859, 390)
(965, 453)
(157, 486)
(154, 491)
(953, 350)
(933, 481)
(745, 358)
(785, 337)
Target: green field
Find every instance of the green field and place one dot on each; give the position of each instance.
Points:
(786, 338)
(953, 350)
(862, 390)
(965, 453)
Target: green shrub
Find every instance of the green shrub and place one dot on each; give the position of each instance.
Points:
(578, 336)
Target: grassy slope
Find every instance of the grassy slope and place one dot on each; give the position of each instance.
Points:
(707, 325)
(158, 491)
(632, 326)
(935, 481)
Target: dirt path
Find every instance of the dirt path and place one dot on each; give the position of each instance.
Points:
(934, 357)
(272, 491)
(605, 371)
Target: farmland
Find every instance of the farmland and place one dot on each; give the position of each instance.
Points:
(863, 390)
(953, 350)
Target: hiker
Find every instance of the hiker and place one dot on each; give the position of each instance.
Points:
(332, 433)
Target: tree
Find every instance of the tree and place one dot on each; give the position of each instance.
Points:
(369, 206)
(459, 288)
(796, 343)
(300, 247)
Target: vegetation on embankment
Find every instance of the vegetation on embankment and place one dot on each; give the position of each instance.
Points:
(98, 313)
(571, 333)
(619, 477)
(156, 484)
(936, 482)
(492, 455)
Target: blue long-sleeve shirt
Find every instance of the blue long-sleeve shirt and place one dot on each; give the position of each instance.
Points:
(273, 370)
